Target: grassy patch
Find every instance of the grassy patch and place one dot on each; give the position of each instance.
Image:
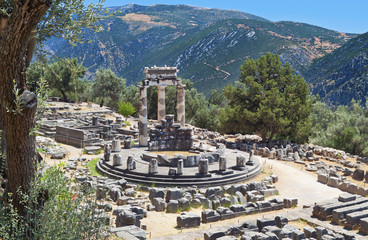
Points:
(92, 167)
(127, 123)
(41, 150)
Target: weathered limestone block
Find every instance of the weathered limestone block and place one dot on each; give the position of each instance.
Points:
(358, 174)
(174, 194)
(172, 206)
(240, 161)
(346, 197)
(363, 225)
(322, 178)
(263, 222)
(153, 167)
(131, 163)
(281, 221)
(333, 182)
(159, 204)
(116, 145)
(340, 213)
(310, 232)
(117, 160)
(214, 234)
(128, 144)
(156, 193)
(352, 219)
(188, 220)
(290, 202)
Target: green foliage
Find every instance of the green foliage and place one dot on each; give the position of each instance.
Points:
(127, 123)
(126, 109)
(62, 75)
(344, 128)
(68, 18)
(53, 211)
(108, 87)
(92, 167)
(269, 100)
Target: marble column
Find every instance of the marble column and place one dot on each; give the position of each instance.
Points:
(142, 124)
(180, 108)
(180, 168)
(222, 163)
(203, 166)
(161, 105)
(116, 145)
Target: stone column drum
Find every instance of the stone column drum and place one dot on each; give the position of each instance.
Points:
(222, 163)
(117, 160)
(153, 167)
(161, 105)
(181, 105)
(116, 145)
(131, 165)
(180, 168)
(240, 161)
(107, 152)
(142, 124)
(203, 166)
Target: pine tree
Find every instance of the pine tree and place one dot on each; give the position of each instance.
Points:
(269, 99)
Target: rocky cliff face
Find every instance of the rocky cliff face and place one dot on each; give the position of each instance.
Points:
(207, 45)
(342, 75)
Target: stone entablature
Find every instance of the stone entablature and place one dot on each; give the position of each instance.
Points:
(161, 77)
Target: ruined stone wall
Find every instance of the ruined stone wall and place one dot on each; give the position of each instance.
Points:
(169, 136)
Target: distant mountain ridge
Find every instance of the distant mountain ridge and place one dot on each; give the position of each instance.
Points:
(207, 45)
(342, 75)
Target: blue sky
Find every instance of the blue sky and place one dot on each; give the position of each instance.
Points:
(341, 15)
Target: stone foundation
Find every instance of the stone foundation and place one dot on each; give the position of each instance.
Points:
(169, 136)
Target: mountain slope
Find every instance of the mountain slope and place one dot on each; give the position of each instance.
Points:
(207, 45)
(342, 75)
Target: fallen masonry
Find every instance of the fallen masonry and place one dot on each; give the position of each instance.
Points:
(271, 228)
(349, 210)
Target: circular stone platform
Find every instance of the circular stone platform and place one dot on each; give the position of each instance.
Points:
(190, 175)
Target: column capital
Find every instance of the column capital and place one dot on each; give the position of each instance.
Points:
(142, 86)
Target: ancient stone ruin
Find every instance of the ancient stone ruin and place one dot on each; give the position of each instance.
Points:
(160, 77)
(170, 136)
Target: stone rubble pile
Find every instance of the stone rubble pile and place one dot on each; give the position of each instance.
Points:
(271, 228)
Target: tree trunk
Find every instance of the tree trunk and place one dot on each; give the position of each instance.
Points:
(65, 98)
(2, 148)
(102, 103)
(18, 111)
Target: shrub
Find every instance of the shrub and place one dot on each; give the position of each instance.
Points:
(54, 211)
(126, 109)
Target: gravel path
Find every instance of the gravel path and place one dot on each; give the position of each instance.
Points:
(297, 183)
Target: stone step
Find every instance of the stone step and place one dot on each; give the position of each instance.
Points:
(326, 210)
(353, 219)
(340, 213)
(169, 180)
